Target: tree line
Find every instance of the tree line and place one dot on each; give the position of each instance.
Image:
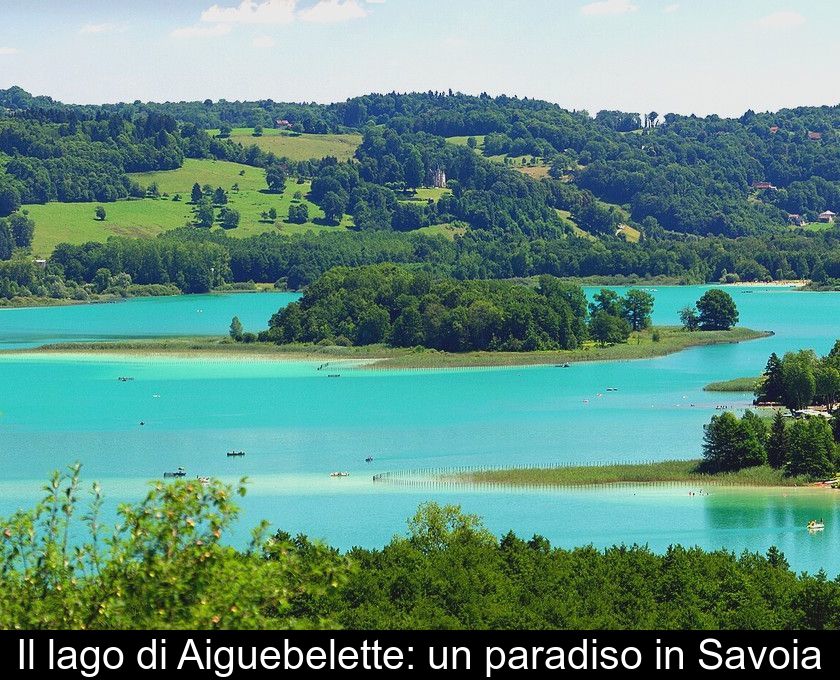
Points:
(801, 379)
(806, 447)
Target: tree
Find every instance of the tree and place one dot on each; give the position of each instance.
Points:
(230, 218)
(689, 319)
(777, 444)
(799, 382)
(258, 130)
(472, 142)
(333, 207)
(236, 328)
(7, 243)
(637, 307)
(298, 213)
(204, 214)
(826, 385)
(275, 177)
(272, 214)
(811, 448)
(100, 213)
(730, 444)
(220, 196)
(196, 193)
(225, 130)
(606, 300)
(413, 170)
(717, 310)
(22, 228)
(607, 329)
(772, 387)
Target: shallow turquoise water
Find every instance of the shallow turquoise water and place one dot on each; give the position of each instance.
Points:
(297, 426)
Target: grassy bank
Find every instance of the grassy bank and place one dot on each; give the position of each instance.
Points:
(641, 346)
(641, 473)
(734, 385)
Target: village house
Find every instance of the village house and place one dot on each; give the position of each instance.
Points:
(815, 136)
(827, 216)
(282, 123)
(796, 219)
(764, 185)
(774, 129)
(439, 179)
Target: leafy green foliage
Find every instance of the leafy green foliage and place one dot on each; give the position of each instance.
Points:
(717, 310)
(387, 304)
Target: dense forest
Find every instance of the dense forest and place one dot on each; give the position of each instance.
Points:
(388, 304)
(167, 565)
(710, 197)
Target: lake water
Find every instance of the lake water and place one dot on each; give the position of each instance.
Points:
(297, 425)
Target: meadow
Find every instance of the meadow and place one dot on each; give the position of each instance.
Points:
(298, 146)
(76, 223)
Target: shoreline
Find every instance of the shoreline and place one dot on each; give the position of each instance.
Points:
(377, 357)
(802, 285)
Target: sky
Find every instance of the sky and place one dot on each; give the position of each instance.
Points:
(686, 56)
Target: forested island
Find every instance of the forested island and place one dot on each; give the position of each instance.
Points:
(192, 196)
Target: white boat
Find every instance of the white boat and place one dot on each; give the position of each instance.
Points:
(339, 474)
(815, 525)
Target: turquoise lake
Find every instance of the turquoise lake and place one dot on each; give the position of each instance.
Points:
(297, 426)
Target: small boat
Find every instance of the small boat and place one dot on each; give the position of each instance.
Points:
(125, 378)
(612, 389)
(334, 375)
(203, 480)
(235, 453)
(339, 474)
(180, 472)
(816, 525)
(369, 459)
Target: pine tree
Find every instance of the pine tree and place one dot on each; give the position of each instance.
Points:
(772, 388)
(777, 445)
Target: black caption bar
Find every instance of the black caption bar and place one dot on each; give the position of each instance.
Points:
(463, 654)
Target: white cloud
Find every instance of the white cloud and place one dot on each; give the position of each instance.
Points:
(201, 31)
(250, 12)
(781, 20)
(263, 41)
(374, 2)
(9, 50)
(608, 7)
(670, 9)
(333, 11)
(102, 28)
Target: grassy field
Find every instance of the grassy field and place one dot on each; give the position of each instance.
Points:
(424, 194)
(298, 147)
(75, 222)
(462, 141)
(630, 234)
(641, 346)
(634, 473)
(734, 385)
(450, 231)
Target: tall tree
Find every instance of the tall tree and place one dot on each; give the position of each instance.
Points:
(811, 448)
(717, 310)
(196, 194)
(777, 444)
(636, 307)
(772, 387)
